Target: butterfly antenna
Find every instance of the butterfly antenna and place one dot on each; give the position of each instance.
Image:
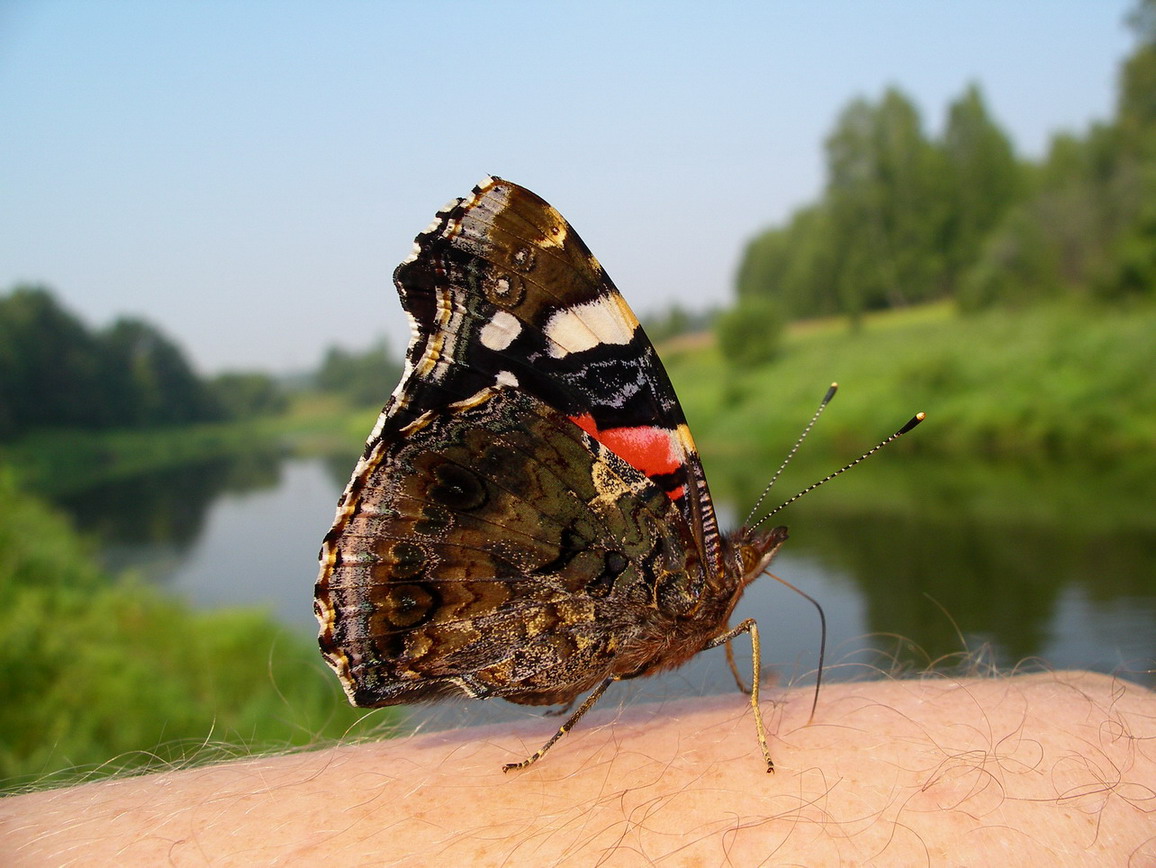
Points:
(915, 420)
(791, 454)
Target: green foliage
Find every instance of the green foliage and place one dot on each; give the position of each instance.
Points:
(1016, 265)
(1061, 381)
(49, 364)
(797, 266)
(1083, 231)
(1129, 268)
(907, 219)
(675, 321)
(902, 219)
(884, 205)
(365, 378)
(146, 380)
(751, 332)
(244, 395)
(111, 674)
(984, 179)
(1136, 106)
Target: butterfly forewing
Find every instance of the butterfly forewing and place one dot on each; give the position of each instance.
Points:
(502, 291)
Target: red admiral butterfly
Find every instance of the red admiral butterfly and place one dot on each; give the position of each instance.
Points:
(529, 519)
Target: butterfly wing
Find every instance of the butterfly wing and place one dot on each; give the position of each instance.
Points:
(498, 550)
(520, 338)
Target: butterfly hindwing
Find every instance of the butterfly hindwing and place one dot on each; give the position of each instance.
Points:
(497, 549)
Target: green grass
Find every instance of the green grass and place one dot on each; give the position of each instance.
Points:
(1065, 383)
(103, 674)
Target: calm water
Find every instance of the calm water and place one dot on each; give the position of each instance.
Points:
(246, 532)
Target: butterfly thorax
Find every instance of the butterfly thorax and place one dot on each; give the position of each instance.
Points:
(670, 642)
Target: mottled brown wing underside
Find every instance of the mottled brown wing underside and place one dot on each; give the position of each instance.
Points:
(495, 549)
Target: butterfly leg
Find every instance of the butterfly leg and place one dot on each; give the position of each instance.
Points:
(558, 712)
(564, 728)
(735, 669)
(749, 626)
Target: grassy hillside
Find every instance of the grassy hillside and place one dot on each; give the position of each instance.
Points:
(1058, 383)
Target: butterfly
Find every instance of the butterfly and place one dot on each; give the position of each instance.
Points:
(529, 519)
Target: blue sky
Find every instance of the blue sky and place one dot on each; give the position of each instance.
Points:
(246, 175)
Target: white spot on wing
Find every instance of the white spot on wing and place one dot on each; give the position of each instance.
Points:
(605, 320)
(506, 378)
(500, 331)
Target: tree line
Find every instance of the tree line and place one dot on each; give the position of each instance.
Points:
(57, 372)
(906, 218)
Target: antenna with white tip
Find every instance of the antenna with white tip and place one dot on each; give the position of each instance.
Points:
(791, 454)
(911, 423)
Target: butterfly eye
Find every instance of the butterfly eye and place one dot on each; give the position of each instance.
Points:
(409, 605)
(523, 259)
(434, 520)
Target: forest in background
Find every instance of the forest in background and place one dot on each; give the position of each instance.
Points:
(58, 372)
(906, 219)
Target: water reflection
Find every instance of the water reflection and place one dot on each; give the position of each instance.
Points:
(955, 558)
(167, 506)
(995, 583)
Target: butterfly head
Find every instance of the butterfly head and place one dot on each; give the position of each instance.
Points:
(756, 548)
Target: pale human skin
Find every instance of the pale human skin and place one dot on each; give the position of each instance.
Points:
(1042, 770)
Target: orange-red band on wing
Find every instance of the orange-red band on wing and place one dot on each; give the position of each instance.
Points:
(654, 451)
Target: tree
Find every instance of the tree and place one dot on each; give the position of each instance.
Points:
(55, 372)
(1136, 104)
(984, 179)
(49, 364)
(148, 380)
(884, 204)
(751, 332)
(242, 395)
(795, 266)
(366, 378)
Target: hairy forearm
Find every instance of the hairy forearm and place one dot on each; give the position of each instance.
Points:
(1042, 769)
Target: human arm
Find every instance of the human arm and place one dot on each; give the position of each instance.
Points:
(1041, 769)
